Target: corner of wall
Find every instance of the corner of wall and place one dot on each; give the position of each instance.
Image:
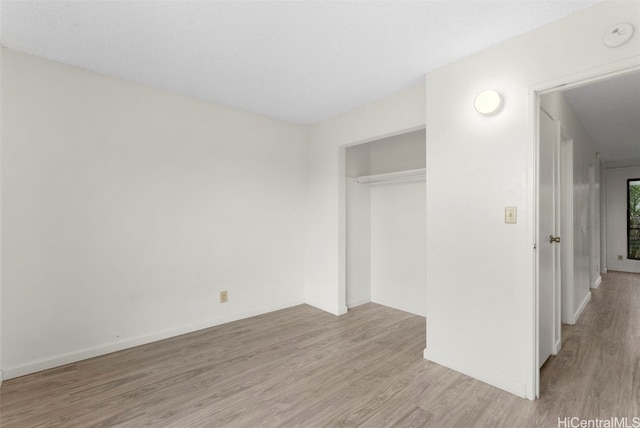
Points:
(332, 309)
(583, 305)
(358, 302)
(490, 377)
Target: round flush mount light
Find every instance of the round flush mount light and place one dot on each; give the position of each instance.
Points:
(488, 102)
(618, 35)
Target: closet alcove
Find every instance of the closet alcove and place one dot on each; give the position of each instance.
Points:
(386, 223)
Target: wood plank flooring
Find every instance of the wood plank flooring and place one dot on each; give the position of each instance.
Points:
(303, 367)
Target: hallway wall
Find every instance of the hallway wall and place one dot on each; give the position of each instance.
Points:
(584, 157)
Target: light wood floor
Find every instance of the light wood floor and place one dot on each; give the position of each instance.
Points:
(303, 367)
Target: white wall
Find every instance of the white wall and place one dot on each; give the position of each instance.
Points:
(125, 210)
(399, 153)
(358, 225)
(398, 246)
(1, 371)
(617, 218)
(480, 307)
(398, 226)
(325, 203)
(584, 157)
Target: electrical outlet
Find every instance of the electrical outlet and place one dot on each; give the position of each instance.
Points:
(224, 297)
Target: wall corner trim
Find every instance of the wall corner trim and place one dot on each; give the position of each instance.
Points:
(327, 307)
(582, 306)
(357, 302)
(557, 347)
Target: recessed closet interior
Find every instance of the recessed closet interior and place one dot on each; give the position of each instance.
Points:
(386, 223)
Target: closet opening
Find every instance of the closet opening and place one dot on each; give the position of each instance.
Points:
(385, 191)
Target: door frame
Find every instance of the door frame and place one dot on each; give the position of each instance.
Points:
(533, 120)
(595, 233)
(342, 208)
(603, 214)
(565, 157)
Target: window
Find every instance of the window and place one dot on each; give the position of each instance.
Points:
(633, 218)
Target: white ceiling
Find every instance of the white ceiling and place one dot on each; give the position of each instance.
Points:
(610, 112)
(298, 61)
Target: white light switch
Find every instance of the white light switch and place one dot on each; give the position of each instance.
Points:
(510, 215)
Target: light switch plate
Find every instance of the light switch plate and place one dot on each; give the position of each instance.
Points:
(510, 215)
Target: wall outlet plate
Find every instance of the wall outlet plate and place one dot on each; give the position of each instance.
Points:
(511, 215)
(224, 297)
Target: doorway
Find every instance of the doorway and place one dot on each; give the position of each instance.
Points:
(580, 163)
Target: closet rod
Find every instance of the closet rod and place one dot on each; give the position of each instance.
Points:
(411, 174)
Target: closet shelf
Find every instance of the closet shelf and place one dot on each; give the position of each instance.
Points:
(410, 174)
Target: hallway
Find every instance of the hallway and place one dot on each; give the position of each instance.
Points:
(597, 372)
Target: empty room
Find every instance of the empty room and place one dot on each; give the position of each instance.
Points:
(320, 213)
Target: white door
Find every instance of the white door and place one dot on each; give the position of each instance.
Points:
(548, 251)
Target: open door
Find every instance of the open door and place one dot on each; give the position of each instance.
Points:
(548, 239)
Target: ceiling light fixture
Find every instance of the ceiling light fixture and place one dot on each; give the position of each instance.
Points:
(488, 102)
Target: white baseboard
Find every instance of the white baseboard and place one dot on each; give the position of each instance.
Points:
(83, 354)
(597, 282)
(357, 302)
(556, 347)
(1, 377)
(582, 306)
(332, 309)
(403, 307)
(631, 266)
(493, 378)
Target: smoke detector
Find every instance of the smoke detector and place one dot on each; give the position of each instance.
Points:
(618, 35)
